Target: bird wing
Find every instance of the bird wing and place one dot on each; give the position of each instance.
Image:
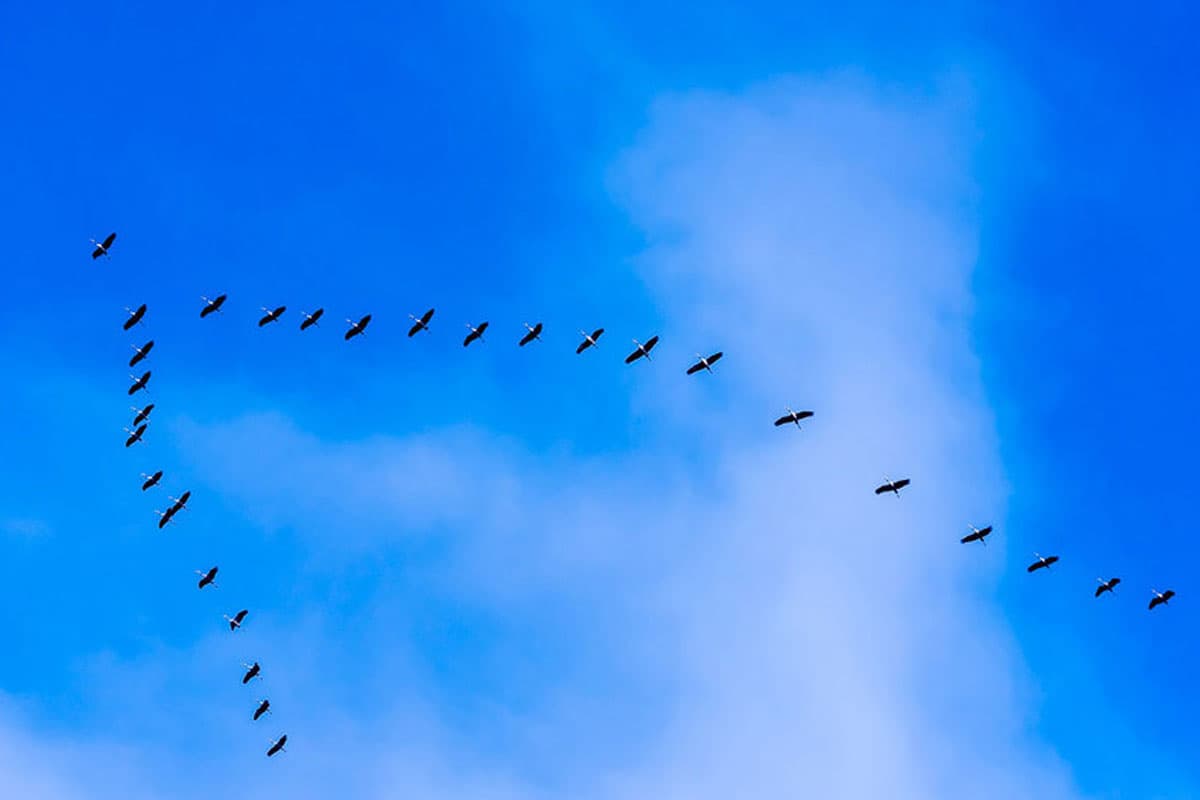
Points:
(783, 421)
(900, 484)
(1051, 560)
(428, 315)
(108, 240)
(596, 334)
(265, 320)
(1101, 589)
(634, 356)
(1035, 566)
(526, 339)
(715, 357)
(97, 253)
(803, 414)
(694, 368)
(649, 345)
(584, 345)
(1168, 594)
(472, 336)
(414, 330)
(887, 487)
(970, 537)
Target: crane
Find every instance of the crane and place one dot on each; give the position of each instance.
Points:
(311, 319)
(142, 414)
(277, 745)
(703, 363)
(532, 332)
(212, 305)
(135, 316)
(420, 324)
(252, 671)
(643, 349)
(207, 578)
(1041, 563)
(476, 333)
(139, 383)
(165, 517)
(180, 502)
(151, 480)
(235, 621)
(270, 315)
(357, 328)
(977, 535)
(264, 707)
(140, 353)
(589, 339)
(892, 486)
(102, 247)
(793, 418)
(1109, 585)
(135, 436)
(1161, 598)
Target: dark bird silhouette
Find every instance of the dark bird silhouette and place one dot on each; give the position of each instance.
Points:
(263, 708)
(135, 316)
(142, 414)
(892, 486)
(252, 672)
(212, 305)
(311, 319)
(421, 324)
(140, 353)
(1161, 598)
(277, 745)
(207, 578)
(977, 535)
(357, 328)
(139, 383)
(270, 315)
(151, 480)
(165, 517)
(793, 418)
(1041, 563)
(532, 332)
(179, 502)
(1106, 585)
(135, 436)
(235, 621)
(102, 247)
(589, 340)
(476, 333)
(704, 363)
(643, 350)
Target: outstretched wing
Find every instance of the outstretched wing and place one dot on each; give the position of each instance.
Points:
(900, 484)
(715, 357)
(634, 356)
(694, 368)
(414, 330)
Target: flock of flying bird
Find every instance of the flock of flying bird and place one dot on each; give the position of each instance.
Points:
(476, 333)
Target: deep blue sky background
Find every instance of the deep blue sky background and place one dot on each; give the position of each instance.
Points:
(384, 160)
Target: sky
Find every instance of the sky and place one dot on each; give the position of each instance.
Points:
(960, 234)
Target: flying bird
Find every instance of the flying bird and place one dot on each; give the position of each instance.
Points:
(890, 485)
(235, 621)
(142, 413)
(102, 247)
(421, 324)
(977, 535)
(532, 332)
(151, 480)
(704, 363)
(135, 316)
(1041, 563)
(135, 436)
(139, 383)
(793, 418)
(140, 353)
(179, 502)
(263, 708)
(212, 305)
(1106, 585)
(311, 319)
(252, 672)
(277, 745)
(643, 349)
(270, 315)
(357, 328)
(589, 340)
(164, 517)
(1161, 598)
(476, 333)
(207, 578)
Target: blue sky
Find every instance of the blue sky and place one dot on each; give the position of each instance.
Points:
(961, 235)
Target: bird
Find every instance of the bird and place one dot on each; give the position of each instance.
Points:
(235, 621)
(589, 340)
(476, 333)
(421, 324)
(704, 363)
(643, 349)
(1161, 598)
(532, 332)
(142, 413)
(263, 708)
(357, 328)
(1106, 585)
(270, 315)
(977, 535)
(102, 247)
(207, 578)
(165, 517)
(252, 672)
(135, 436)
(311, 319)
(890, 485)
(151, 480)
(212, 305)
(793, 417)
(1041, 563)
(140, 353)
(277, 745)
(135, 316)
(139, 383)
(179, 502)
